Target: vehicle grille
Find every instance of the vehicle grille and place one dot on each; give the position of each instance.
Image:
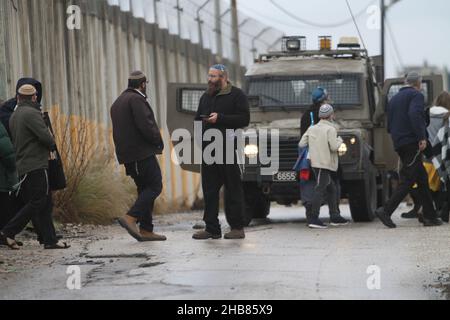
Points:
(288, 153)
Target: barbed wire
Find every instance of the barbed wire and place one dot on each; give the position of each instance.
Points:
(318, 25)
(212, 27)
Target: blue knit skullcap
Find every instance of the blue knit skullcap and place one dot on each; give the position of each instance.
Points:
(219, 67)
(319, 95)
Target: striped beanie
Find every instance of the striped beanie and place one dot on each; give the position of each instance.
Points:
(27, 90)
(325, 111)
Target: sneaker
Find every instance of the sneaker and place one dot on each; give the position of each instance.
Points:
(317, 224)
(338, 221)
(205, 235)
(410, 215)
(235, 235)
(435, 222)
(385, 218)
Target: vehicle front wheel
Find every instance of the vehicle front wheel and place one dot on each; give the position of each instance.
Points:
(362, 196)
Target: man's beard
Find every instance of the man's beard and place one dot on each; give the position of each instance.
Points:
(213, 88)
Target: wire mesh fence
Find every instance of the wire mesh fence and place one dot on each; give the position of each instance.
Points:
(209, 23)
(344, 90)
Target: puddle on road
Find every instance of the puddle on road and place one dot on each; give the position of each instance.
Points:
(110, 268)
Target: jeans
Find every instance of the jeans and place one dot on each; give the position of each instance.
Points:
(325, 188)
(148, 179)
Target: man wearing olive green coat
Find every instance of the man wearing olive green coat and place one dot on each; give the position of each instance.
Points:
(33, 143)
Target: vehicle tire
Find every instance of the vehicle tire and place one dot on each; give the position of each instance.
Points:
(257, 204)
(362, 196)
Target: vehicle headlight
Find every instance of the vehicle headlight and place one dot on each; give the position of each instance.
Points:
(251, 151)
(343, 150)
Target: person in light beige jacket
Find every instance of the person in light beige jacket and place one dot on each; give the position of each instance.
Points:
(323, 143)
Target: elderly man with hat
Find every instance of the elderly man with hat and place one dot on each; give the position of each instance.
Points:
(408, 129)
(324, 144)
(33, 143)
(138, 141)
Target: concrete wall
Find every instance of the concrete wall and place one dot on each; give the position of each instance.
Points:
(83, 71)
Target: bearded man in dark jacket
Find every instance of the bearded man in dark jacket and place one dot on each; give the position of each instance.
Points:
(222, 107)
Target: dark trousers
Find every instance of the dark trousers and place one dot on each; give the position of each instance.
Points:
(213, 178)
(38, 206)
(412, 172)
(6, 209)
(438, 199)
(148, 178)
(10, 205)
(445, 209)
(325, 189)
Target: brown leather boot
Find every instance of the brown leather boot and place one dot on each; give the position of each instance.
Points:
(205, 235)
(235, 234)
(129, 223)
(151, 236)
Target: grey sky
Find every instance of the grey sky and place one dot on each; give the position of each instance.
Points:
(420, 28)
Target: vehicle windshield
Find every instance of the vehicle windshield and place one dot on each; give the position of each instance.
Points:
(295, 92)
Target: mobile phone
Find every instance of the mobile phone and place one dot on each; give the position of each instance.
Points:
(205, 116)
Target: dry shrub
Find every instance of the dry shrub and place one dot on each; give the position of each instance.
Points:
(103, 194)
(96, 191)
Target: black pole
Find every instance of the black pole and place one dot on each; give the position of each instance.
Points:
(236, 41)
(383, 49)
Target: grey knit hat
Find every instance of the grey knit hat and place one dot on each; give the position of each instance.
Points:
(413, 77)
(325, 111)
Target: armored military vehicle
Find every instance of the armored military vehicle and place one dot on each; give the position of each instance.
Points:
(279, 86)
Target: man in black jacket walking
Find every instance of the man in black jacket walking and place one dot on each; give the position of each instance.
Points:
(222, 107)
(408, 129)
(138, 140)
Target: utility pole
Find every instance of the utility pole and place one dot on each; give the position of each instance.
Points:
(218, 28)
(155, 11)
(383, 42)
(200, 22)
(179, 11)
(384, 9)
(235, 35)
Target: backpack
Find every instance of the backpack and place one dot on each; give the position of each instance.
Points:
(303, 165)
